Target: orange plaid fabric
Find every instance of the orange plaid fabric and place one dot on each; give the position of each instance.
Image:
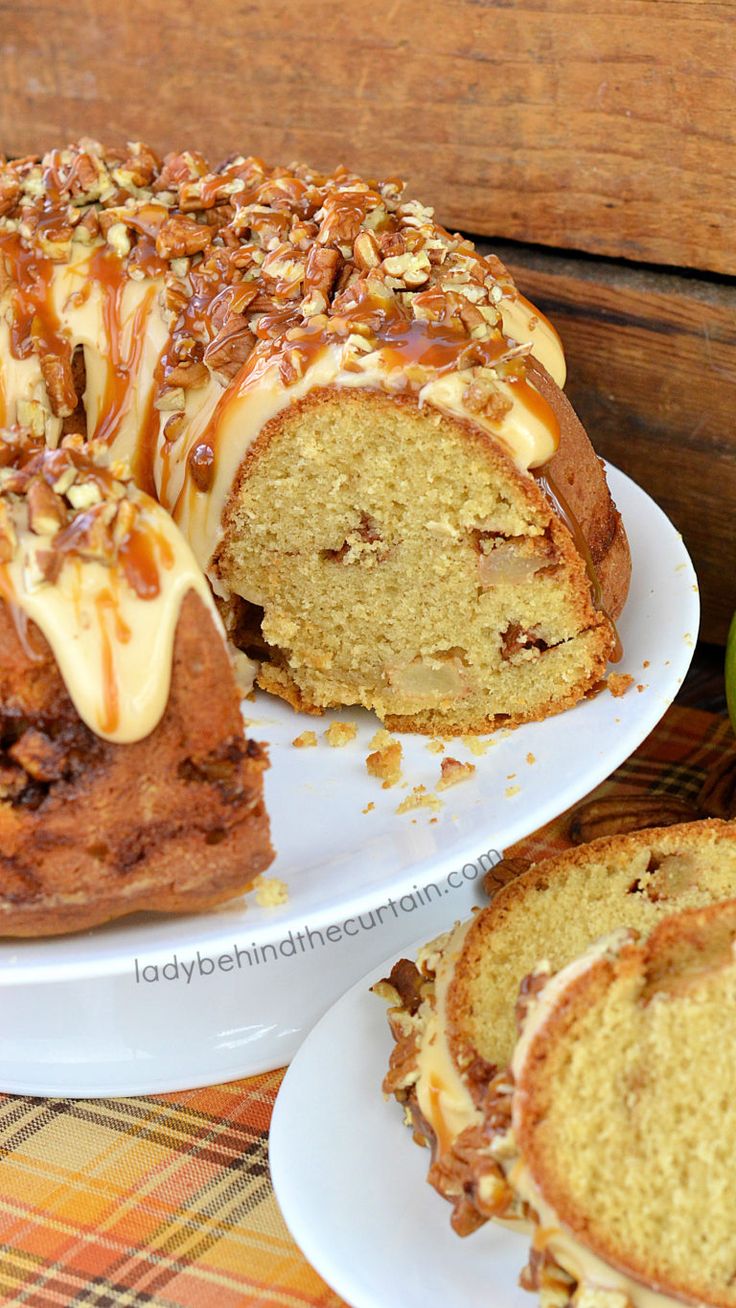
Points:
(166, 1200)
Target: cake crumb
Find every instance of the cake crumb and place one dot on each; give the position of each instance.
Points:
(640, 688)
(420, 797)
(478, 745)
(305, 741)
(369, 807)
(385, 763)
(436, 746)
(619, 683)
(531, 758)
(381, 739)
(510, 791)
(340, 733)
(434, 819)
(270, 892)
(453, 772)
(645, 664)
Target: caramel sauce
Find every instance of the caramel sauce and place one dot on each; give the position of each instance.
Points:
(137, 554)
(35, 326)
(562, 508)
(109, 273)
(106, 607)
(438, 1123)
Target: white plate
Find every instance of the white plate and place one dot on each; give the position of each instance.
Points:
(352, 1184)
(89, 1014)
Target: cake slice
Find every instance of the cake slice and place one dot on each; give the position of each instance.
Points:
(126, 780)
(624, 1120)
(453, 1012)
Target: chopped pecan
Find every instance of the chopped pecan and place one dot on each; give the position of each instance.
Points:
(408, 983)
(46, 512)
(614, 815)
(321, 269)
(179, 236)
(233, 344)
(10, 192)
(186, 376)
(59, 382)
(508, 869)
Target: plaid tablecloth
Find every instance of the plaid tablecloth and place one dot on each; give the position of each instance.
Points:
(166, 1200)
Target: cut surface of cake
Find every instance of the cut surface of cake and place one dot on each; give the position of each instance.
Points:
(453, 1013)
(354, 418)
(623, 1120)
(126, 780)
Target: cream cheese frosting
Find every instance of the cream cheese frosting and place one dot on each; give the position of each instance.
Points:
(110, 621)
(443, 1097)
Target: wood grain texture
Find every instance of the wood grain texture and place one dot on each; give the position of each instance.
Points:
(652, 374)
(601, 125)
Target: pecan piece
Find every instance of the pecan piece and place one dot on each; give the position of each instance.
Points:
(186, 376)
(46, 512)
(179, 237)
(615, 815)
(9, 193)
(59, 382)
(508, 869)
(230, 348)
(321, 270)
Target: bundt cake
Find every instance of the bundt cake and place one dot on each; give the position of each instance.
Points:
(453, 1012)
(353, 417)
(126, 781)
(623, 1120)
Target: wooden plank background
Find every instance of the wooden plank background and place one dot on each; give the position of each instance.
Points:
(652, 374)
(599, 125)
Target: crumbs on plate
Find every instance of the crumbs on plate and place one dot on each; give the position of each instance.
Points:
(340, 733)
(453, 772)
(478, 745)
(420, 797)
(270, 892)
(305, 741)
(385, 762)
(619, 683)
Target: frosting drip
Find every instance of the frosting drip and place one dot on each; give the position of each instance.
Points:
(104, 583)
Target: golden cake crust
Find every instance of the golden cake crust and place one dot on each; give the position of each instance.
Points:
(174, 822)
(684, 949)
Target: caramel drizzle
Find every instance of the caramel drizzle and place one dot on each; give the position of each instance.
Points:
(109, 273)
(421, 349)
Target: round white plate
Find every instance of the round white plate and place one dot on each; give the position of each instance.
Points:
(352, 1184)
(162, 1003)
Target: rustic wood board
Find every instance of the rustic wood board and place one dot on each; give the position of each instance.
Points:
(607, 126)
(652, 373)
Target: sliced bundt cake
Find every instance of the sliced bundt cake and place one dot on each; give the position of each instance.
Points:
(453, 1012)
(126, 781)
(623, 1120)
(353, 416)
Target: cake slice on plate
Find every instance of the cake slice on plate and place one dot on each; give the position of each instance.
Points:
(453, 1011)
(623, 1120)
